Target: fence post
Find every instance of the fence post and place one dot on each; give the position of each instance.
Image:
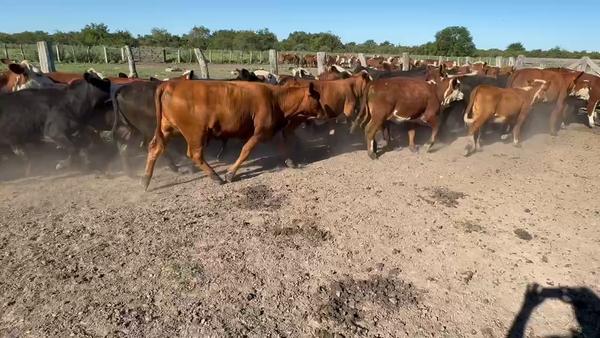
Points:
(242, 56)
(46, 59)
(361, 58)
(22, 52)
(191, 58)
(123, 54)
(520, 63)
(273, 69)
(73, 51)
(57, 53)
(178, 55)
(132, 70)
(202, 63)
(320, 63)
(584, 63)
(405, 62)
(440, 60)
(222, 57)
(5, 51)
(499, 61)
(511, 61)
(230, 51)
(250, 62)
(260, 59)
(88, 54)
(210, 56)
(105, 54)
(164, 55)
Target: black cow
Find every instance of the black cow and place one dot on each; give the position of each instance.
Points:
(386, 74)
(51, 115)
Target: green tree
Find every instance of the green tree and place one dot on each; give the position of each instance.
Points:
(514, 49)
(454, 41)
(94, 34)
(198, 37)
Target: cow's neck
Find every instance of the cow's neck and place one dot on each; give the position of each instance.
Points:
(289, 100)
(526, 94)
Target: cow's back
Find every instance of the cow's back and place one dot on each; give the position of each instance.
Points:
(136, 103)
(520, 78)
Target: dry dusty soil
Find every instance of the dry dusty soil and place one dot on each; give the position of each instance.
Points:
(409, 245)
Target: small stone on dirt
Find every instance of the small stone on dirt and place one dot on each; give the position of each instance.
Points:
(523, 234)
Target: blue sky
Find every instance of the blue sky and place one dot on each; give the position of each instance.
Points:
(537, 24)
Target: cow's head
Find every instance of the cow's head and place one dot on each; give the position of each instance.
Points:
(24, 75)
(452, 92)
(311, 104)
(581, 90)
(540, 88)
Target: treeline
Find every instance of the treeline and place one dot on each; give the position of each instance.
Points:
(451, 41)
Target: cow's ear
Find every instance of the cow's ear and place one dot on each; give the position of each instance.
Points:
(190, 75)
(245, 73)
(87, 77)
(16, 68)
(123, 75)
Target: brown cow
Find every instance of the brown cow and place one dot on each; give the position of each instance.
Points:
(403, 100)
(21, 76)
(309, 60)
(289, 58)
(561, 85)
(338, 96)
(588, 89)
(503, 106)
(247, 110)
(334, 73)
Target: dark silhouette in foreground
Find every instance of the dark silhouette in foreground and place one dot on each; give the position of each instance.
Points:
(585, 303)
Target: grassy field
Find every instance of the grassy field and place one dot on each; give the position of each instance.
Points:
(157, 70)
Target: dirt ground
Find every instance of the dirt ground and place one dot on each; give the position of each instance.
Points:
(409, 245)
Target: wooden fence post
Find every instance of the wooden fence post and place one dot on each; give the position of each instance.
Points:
(57, 53)
(584, 63)
(320, 63)
(468, 59)
(260, 59)
(46, 59)
(89, 59)
(230, 52)
(164, 53)
(511, 61)
(520, 63)
(6, 52)
(440, 60)
(105, 55)
(499, 61)
(74, 56)
(405, 62)
(250, 62)
(123, 54)
(222, 57)
(191, 58)
(273, 69)
(202, 63)
(241, 56)
(361, 58)
(178, 55)
(22, 52)
(132, 70)
(210, 56)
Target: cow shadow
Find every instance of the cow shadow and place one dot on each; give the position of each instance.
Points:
(585, 304)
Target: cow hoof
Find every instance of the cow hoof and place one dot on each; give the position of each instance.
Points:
(145, 182)
(504, 136)
(553, 133)
(413, 149)
(563, 126)
(290, 164)
(372, 155)
(428, 147)
(517, 144)
(228, 176)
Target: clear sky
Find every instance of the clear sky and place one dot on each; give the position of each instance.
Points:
(493, 24)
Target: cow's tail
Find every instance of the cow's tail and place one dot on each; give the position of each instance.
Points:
(114, 97)
(469, 120)
(159, 138)
(363, 111)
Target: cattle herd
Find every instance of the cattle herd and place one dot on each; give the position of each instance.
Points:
(71, 110)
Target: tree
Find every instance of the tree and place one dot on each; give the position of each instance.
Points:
(197, 37)
(454, 41)
(94, 34)
(514, 49)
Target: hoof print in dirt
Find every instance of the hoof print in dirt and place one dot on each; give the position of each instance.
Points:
(348, 300)
(446, 196)
(523, 234)
(259, 197)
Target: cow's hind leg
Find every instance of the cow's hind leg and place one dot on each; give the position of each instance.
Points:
(155, 149)
(474, 136)
(370, 130)
(248, 147)
(435, 127)
(411, 137)
(20, 152)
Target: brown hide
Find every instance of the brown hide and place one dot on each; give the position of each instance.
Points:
(246, 110)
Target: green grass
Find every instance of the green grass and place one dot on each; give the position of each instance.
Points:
(157, 70)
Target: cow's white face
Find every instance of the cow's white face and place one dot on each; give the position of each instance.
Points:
(583, 93)
(36, 78)
(453, 93)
